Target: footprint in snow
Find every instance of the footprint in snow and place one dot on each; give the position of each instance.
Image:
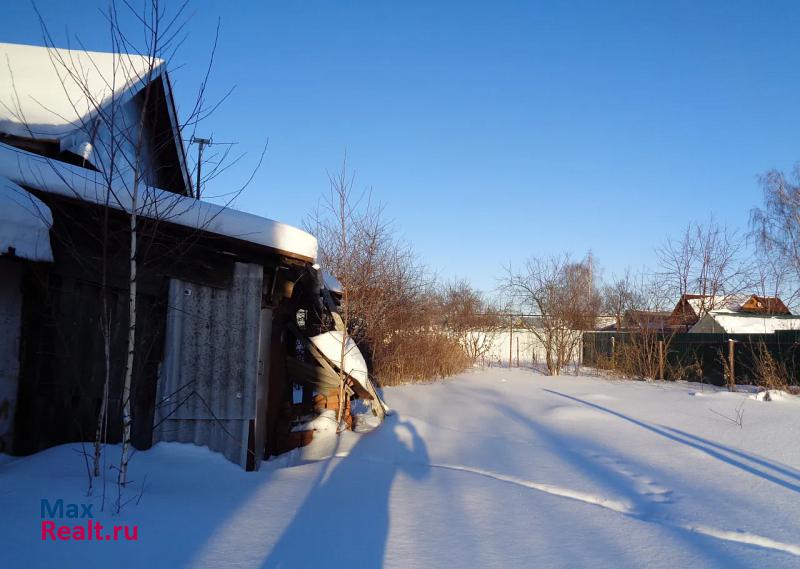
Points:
(644, 486)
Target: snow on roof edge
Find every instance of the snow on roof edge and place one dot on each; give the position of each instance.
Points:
(746, 323)
(59, 178)
(40, 97)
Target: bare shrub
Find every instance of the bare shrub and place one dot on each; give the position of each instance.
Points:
(419, 355)
(469, 319)
(560, 295)
(639, 356)
(635, 302)
(688, 369)
(391, 302)
(767, 371)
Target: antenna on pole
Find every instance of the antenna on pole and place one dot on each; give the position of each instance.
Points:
(201, 142)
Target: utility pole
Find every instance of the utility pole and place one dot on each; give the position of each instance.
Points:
(201, 142)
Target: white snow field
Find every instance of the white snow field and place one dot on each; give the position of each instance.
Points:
(493, 468)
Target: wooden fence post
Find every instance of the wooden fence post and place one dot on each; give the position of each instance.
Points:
(731, 362)
(661, 360)
(517, 351)
(613, 352)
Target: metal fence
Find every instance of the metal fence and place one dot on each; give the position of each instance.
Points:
(707, 354)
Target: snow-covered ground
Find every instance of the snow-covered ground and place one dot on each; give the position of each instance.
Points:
(495, 468)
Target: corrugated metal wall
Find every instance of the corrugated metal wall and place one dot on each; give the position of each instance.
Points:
(208, 388)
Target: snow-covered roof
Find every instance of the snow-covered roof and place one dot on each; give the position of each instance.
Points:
(54, 177)
(24, 224)
(719, 302)
(49, 93)
(603, 321)
(726, 322)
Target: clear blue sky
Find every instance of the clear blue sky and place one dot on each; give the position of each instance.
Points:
(496, 130)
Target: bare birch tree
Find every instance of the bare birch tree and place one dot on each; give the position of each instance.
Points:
(776, 230)
(118, 149)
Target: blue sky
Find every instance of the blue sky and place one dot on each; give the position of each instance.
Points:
(494, 131)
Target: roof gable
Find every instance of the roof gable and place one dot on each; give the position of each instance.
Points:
(765, 305)
(58, 102)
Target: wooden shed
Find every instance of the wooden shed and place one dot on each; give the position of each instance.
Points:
(227, 302)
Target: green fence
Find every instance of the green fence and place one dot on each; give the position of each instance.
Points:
(703, 353)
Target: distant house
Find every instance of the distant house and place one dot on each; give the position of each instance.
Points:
(727, 322)
(637, 320)
(765, 305)
(645, 320)
(692, 307)
(605, 322)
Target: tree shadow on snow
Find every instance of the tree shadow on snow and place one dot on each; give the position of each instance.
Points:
(713, 450)
(584, 457)
(783, 469)
(344, 520)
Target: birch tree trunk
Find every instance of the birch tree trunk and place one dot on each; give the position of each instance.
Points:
(126, 387)
(342, 189)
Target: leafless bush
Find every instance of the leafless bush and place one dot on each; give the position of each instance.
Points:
(689, 369)
(767, 371)
(390, 300)
(419, 356)
(561, 295)
(469, 319)
(640, 356)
